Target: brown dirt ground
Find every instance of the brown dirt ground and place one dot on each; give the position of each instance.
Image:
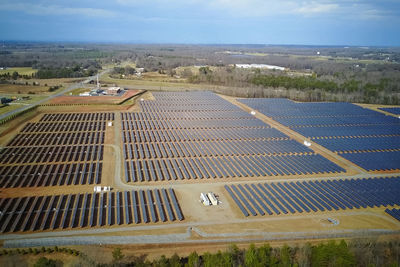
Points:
(112, 100)
(23, 89)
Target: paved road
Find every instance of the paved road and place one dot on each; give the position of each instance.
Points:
(186, 238)
(70, 88)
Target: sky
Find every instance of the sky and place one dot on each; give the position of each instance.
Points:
(319, 22)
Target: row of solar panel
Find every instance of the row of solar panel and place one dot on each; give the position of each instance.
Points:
(236, 166)
(180, 135)
(12, 155)
(395, 111)
(375, 161)
(78, 126)
(350, 131)
(199, 123)
(52, 139)
(361, 144)
(62, 117)
(307, 196)
(211, 100)
(155, 105)
(190, 99)
(279, 107)
(150, 116)
(192, 115)
(212, 148)
(178, 95)
(41, 175)
(88, 210)
(339, 120)
(395, 213)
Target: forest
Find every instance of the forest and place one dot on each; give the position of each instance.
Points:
(358, 252)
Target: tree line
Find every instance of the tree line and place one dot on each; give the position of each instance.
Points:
(341, 253)
(266, 83)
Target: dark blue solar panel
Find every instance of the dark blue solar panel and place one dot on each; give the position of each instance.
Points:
(118, 208)
(391, 110)
(159, 205)
(258, 199)
(92, 222)
(135, 207)
(175, 203)
(244, 211)
(84, 210)
(75, 210)
(244, 201)
(320, 195)
(143, 205)
(167, 205)
(127, 208)
(250, 198)
(151, 203)
(66, 210)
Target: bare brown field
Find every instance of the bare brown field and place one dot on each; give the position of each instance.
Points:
(23, 89)
(90, 100)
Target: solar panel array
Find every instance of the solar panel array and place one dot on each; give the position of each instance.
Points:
(88, 210)
(312, 196)
(60, 149)
(199, 135)
(391, 110)
(395, 213)
(363, 136)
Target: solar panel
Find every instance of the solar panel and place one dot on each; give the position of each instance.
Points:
(128, 213)
(18, 220)
(103, 196)
(47, 216)
(244, 211)
(143, 206)
(175, 203)
(75, 211)
(110, 213)
(159, 205)
(250, 198)
(244, 201)
(9, 214)
(65, 222)
(118, 208)
(167, 205)
(151, 204)
(83, 210)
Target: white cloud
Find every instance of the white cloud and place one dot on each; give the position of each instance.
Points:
(39, 9)
(316, 8)
(354, 9)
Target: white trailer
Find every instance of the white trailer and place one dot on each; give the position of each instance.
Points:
(212, 198)
(204, 199)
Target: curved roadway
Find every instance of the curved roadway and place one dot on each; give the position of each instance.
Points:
(69, 88)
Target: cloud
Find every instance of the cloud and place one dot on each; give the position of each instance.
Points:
(316, 8)
(353, 9)
(39, 9)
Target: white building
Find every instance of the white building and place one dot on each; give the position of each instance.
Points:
(85, 94)
(259, 66)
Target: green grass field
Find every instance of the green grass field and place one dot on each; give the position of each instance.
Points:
(21, 71)
(5, 108)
